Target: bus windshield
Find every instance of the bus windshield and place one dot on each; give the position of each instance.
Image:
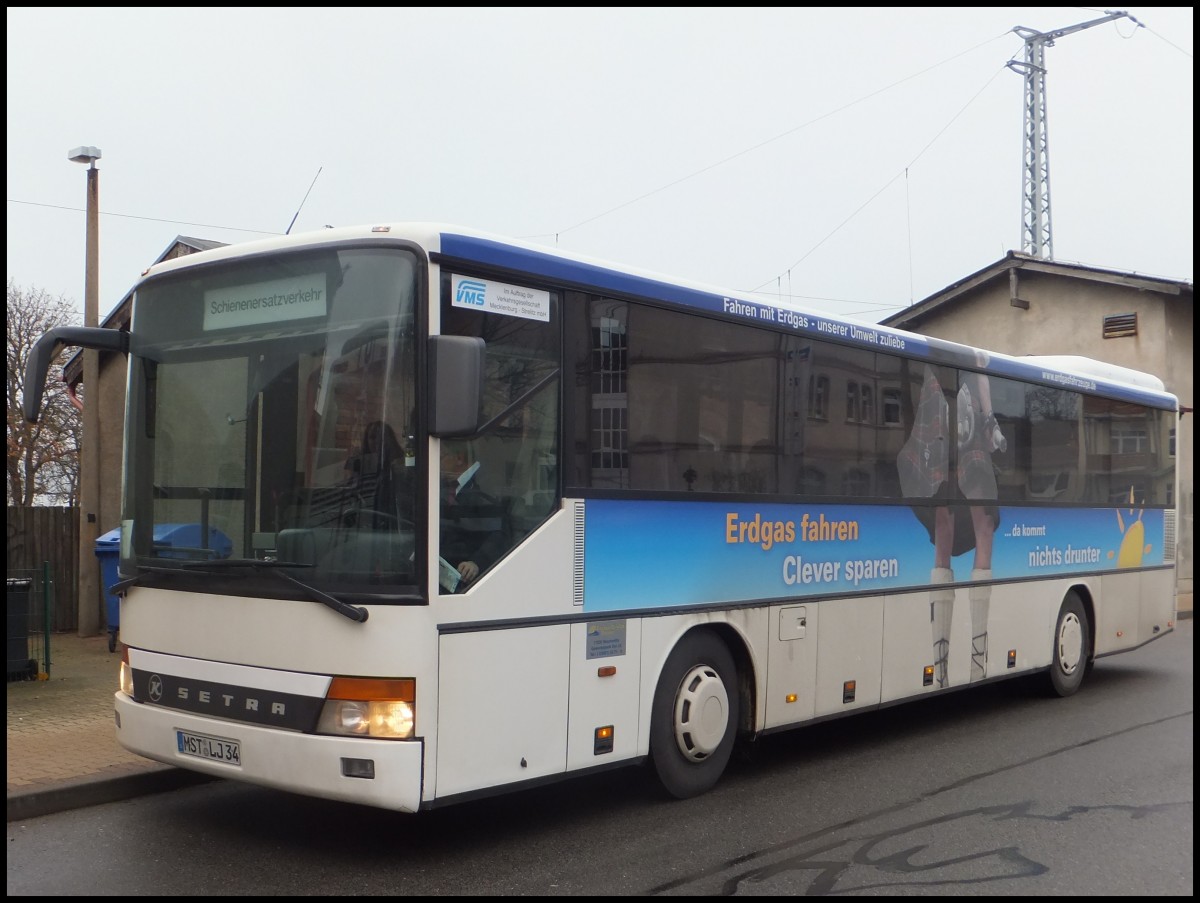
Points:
(272, 418)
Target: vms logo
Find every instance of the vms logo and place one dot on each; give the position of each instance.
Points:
(471, 291)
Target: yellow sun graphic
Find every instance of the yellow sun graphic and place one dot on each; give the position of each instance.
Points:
(1133, 542)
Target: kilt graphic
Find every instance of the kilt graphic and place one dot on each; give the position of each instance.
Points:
(924, 459)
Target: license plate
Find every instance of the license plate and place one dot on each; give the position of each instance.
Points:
(216, 749)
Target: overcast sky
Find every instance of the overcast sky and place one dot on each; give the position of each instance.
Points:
(853, 160)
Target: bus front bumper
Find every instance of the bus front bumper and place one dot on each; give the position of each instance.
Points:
(335, 768)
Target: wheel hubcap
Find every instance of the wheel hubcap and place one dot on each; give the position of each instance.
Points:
(701, 712)
(1070, 644)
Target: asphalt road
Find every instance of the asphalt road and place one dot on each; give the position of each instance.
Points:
(997, 790)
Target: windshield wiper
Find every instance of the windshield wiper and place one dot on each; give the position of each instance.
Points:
(241, 563)
(353, 612)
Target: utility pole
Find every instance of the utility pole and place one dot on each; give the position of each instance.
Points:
(1036, 236)
(88, 585)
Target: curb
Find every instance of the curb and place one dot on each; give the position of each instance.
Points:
(65, 797)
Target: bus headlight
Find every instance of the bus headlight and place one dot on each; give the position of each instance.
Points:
(367, 707)
(125, 677)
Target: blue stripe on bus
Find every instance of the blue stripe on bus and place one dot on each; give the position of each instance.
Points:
(880, 338)
(643, 555)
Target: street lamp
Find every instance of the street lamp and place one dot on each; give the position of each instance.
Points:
(89, 590)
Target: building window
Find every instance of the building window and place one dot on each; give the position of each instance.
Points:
(608, 356)
(818, 397)
(860, 403)
(891, 407)
(1129, 440)
(610, 434)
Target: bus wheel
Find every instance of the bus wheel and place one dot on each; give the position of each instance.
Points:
(694, 720)
(1072, 647)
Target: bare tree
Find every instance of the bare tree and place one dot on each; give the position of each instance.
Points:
(43, 457)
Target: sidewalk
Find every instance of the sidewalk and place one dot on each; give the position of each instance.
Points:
(62, 743)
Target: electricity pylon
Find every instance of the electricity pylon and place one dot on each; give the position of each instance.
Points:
(1036, 235)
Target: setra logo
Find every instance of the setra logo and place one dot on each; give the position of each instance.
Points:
(470, 291)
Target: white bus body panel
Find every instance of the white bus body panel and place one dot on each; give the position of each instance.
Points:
(598, 701)
(504, 691)
(1124, 626)
(851, 641)
(1116, 618)
(502, 716)
(908, 646)
(792, 664)
(1021, 619)
(1157, 606)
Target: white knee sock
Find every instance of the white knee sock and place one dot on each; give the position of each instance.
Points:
(941, 615)
(981, 598)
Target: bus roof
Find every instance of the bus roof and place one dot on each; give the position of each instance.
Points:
(451, 243)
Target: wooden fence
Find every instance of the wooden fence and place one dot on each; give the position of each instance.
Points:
(37, 535)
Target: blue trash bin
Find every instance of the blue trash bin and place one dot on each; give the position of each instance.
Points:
(108, 550)
(166, 536)
(187, 536)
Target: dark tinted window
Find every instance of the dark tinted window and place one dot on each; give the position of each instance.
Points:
(667, 401)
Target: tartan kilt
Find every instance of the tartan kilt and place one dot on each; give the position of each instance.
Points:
(923, 464)
(924, 459)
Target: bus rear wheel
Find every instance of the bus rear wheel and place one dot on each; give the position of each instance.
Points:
(694, 720)
(1072, 646)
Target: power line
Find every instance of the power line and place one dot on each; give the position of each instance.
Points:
(889, 182)
(763, 144)
(150, 219)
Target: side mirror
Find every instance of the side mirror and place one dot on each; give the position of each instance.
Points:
(48, 345)
(456, 366)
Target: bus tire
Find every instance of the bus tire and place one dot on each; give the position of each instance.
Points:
(1072, 646)
(694, 720)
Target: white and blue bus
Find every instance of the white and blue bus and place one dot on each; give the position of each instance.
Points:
(413, 514)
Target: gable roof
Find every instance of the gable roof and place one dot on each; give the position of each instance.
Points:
(1015, 262)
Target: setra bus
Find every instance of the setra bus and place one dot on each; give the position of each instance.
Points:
(413, 514)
